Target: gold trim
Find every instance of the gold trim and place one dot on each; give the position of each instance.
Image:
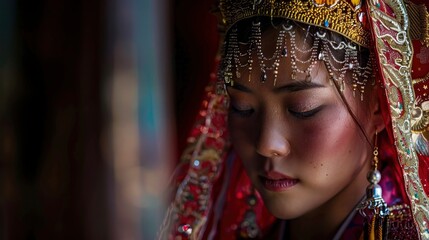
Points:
(419, 22)
(419, 80)
(399, 89)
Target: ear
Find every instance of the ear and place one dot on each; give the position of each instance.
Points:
(376, 117)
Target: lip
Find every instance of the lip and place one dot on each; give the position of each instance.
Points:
(277, 182)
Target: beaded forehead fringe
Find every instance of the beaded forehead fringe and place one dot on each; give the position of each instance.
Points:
(339, 57)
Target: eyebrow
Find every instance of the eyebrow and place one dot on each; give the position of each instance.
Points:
(290, 87)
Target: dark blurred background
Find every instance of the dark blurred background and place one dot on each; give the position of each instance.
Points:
(96, 100)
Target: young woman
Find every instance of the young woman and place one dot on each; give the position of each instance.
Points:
(327, 115)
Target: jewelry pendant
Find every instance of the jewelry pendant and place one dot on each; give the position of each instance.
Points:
(308, 77)
(284, 52)
(293, 76)
(263, 75)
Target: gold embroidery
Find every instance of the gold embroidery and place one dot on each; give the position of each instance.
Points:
(401, 223)
(397, 77)
(419, 80)
(419, 22)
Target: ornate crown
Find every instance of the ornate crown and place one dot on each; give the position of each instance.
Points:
(346, 17)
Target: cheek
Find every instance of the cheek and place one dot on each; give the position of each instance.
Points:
(330, 147)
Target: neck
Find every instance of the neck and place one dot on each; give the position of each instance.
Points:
(325, 221)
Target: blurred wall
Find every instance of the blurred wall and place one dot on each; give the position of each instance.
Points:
(53, 174)
(90, 94)
(195, 48)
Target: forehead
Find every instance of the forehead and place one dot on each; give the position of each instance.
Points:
(319, 77)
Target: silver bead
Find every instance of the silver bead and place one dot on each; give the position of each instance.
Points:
(374, 177)
(374, 192)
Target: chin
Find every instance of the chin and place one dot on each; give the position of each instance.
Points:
(283, 208)
(282, 213)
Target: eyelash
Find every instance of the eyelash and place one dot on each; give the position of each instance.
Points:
(301, 115)
(242, 113)
(306, 114)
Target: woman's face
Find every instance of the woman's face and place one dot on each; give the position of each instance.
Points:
(297, 140)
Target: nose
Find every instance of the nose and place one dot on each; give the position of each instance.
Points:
(272, 141)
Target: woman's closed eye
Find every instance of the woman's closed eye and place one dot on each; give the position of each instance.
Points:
(306, 113)
(241, 111)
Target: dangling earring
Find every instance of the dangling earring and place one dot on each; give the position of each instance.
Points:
(374, 208)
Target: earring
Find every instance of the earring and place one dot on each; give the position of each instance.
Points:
(373, 207)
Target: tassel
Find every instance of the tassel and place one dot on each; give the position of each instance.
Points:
(373, 208)
(376, 228)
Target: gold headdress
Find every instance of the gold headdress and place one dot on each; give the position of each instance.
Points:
(346, 17)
